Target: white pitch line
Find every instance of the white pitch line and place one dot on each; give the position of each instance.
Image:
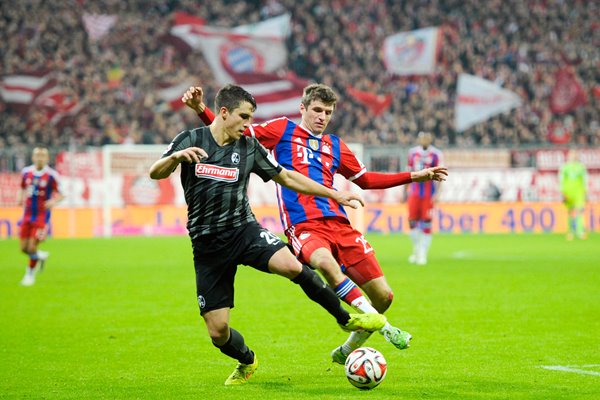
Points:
(565, 368)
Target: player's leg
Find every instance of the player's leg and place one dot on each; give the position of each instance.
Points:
(311, 242)
(215, 265)
(571, 216)
(231, 343)
(368, 275)
(425, 242)
(283, 263)
(28, 245)
(415, 229)
(579, 206)
(40, 235)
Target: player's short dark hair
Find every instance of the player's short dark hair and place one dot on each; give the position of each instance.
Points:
(231, 96)
(318, 91)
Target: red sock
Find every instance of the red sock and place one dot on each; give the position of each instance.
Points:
(347, 291)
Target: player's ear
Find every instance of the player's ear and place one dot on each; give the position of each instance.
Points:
(224, 112)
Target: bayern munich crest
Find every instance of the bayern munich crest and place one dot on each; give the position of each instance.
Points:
(240, 58)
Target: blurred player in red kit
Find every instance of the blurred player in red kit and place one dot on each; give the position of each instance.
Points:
(39, 193)
(422, 196)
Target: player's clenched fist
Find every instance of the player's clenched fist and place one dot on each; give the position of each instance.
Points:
(193, 98)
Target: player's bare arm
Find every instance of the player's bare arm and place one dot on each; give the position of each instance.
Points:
(54, 200)
(437, 174)
(301, 184)
(193, 98)
(164, 167)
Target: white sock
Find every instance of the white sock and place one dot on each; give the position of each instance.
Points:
(363, 305)
(426, 242)
(415, 237)
(354, 341)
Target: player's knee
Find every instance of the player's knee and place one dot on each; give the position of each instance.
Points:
(218, 332)
(383, 300)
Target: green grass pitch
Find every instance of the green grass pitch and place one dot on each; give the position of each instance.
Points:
(118, 319)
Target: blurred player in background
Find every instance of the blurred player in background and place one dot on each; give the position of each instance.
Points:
(318, 229)
(573, 186)
(38, 194)
(216, 163)
(422, 196)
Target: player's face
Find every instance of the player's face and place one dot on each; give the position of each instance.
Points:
(238, 120)
(40, 157)
(316, 116)
(425, 139)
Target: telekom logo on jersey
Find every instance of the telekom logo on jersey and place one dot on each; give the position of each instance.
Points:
(217, 173)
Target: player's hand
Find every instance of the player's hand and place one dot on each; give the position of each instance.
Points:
(190, 155)
(430, 174)
(193, 98)
(349, 199)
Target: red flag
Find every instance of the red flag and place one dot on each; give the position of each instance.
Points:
(20, 90)
(376, 103)
(58, 104)
(568, 94)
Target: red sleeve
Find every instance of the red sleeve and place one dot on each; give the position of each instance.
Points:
(350, 166)
(268, 133)
(207, 116)
(378, 180)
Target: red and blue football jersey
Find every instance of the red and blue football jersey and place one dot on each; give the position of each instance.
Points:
(418, 159)
(38, 186)
(319, 157)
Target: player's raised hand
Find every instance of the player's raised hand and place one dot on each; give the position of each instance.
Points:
(193, 98)
(349, 199)
(430, 174)
(190, 155)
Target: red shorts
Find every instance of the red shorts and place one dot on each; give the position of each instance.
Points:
(347, 245)
(420, 209)
(33, 230)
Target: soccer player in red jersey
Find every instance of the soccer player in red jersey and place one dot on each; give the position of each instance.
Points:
(39, 193)
(422, 196)
(317, 228)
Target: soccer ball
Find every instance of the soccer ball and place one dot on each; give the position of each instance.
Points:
(365, 368)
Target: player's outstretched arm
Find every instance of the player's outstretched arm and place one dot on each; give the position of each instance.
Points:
(301, 184)
(438, 174)
(165, 166)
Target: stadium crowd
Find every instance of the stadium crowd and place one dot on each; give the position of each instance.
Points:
(518, 44)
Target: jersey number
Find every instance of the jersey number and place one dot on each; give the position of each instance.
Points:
(365, 244)
(270, 237)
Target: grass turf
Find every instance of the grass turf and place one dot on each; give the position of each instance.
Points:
(118, 319)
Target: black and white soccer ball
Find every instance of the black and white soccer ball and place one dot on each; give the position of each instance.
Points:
(365, 368)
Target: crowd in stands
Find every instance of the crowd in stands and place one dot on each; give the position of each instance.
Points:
(519, 44)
